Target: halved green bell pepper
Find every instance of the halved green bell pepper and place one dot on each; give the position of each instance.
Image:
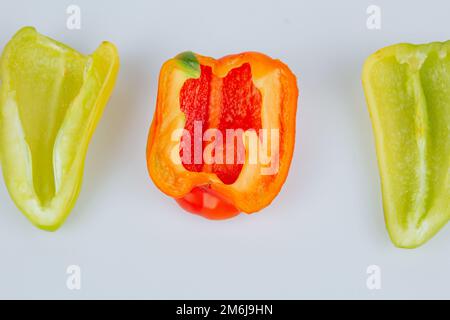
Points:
(51, 98)
(407, 89)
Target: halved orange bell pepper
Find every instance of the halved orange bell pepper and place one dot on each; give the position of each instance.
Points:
(222, 136)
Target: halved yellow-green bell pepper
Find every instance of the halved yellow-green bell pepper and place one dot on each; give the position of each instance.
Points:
(407, 89)
(51, 98)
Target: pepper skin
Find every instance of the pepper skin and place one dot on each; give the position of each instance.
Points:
(407, 89)
(51, 98)
(247, 91)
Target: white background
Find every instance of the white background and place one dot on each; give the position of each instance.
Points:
(322, 231)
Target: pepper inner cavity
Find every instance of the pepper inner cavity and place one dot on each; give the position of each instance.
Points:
(46, 81)
(230, 105)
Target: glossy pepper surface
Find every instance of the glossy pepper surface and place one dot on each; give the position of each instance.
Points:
(51, 98)
(249, 92)
(407, 89)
